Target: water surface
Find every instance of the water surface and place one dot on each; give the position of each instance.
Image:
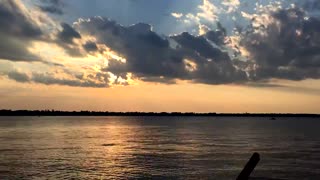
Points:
(157, 147)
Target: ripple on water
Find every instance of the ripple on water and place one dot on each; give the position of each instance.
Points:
(163, 148)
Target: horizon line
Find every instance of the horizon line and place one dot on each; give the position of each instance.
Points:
(47, 112)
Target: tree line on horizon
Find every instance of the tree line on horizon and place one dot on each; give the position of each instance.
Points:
(108, 113)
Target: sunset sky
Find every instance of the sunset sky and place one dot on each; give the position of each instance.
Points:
(160, 55)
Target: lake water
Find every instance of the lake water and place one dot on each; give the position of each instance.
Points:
(157, 147)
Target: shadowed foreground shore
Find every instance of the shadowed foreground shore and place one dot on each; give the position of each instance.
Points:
(107, 113)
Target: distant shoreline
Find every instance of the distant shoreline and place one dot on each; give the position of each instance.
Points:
(97, 113)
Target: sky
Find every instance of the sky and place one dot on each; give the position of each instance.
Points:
(160, 55)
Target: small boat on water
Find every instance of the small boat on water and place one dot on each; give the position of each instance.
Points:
(273, 118)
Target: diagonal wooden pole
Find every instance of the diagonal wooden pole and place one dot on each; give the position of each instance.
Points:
(247, 170)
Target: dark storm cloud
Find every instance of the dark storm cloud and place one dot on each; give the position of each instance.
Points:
(73, 51)
(52, 6)
(90, 46)
(18, 76)
(217, 36)
(65, 39)
(199, 45)
(49, 79)
(213, 65)
(16, 33)
(98, 80)
(51, 9)
(15, 49)
(68, 34)
(289, 48)
(151, 57)
(14, 22)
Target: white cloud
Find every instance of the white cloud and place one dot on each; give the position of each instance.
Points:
(232, 5)
(208, 11)
(203, 29)
(177, 15)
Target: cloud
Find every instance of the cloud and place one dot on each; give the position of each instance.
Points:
(90, 46)
(232, 5)
(66, 39)
(150, 56)
(52, 6)
(208, 11)
(288, 47)
(17, 32)
(50, 79)
(207, 14)
(18, 76)
(98, 80)
(217, 36)
(68, 34)
(311, 5)
(5, 67)
(278, 43)
(22, 28)
(177, 15)
(51, 9)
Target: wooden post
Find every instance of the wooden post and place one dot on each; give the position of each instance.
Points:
(247, 170)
